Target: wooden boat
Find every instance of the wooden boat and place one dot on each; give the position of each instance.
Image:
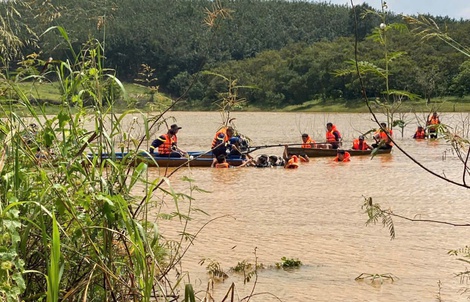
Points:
(194, 159)
(317, 152)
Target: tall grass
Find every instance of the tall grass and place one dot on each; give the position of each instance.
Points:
(73, 226)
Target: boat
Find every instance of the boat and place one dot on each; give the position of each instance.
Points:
(318, 152)
(193, 159)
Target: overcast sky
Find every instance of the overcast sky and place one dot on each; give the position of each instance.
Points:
(453, 8)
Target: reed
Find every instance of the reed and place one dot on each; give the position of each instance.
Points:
(73, 226)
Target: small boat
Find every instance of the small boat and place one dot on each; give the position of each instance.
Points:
(194, 159)
(317, 152)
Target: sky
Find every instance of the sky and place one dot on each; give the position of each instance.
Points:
(457, 9)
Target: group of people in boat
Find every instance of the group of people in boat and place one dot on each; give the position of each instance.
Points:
(382, 138)
(227, 143)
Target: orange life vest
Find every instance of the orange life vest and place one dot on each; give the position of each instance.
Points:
(358, 146)
(293, 162)
(420, 134)
(308, 143)
(166, 147)
(383, 136)
(347, 157)
(434, 121)
(330, 137)
(217, 140)
(222, 165)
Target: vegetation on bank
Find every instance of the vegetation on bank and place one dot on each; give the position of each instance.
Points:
(78, 227)
(289, 57)
(137, 97)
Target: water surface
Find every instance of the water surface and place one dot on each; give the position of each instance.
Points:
(314, 213)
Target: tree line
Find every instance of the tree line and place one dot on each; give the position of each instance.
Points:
(287, 52)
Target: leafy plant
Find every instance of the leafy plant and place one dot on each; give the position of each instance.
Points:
(376, 214)
(214, 269)
(289, 263)
(247, 269)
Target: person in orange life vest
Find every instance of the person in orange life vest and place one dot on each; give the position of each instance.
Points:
(221, 140)
(432, 123)
(293, 161)
(307, 141)
(167, 144)
(222, 162)
(360, 144)
(224, 143)
(342, 156)
(333, 137)
(420, 133)
(382, 140)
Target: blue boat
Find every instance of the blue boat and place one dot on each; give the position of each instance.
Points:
(194, 159)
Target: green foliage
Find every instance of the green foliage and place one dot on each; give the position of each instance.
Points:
(290, 54)
(287, 263)
(12, 283)
(189, 295)
(214, 270)
(247, 269)
(71, 220)
(376, 214)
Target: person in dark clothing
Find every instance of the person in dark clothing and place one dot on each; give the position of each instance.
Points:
(167, 144)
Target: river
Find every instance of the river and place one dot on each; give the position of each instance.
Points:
(314, 213)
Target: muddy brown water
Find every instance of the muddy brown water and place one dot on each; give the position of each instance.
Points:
(314, 213)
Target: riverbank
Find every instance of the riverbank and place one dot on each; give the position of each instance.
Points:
(139, 97)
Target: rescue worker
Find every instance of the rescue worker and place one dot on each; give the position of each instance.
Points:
(167, 144)
(222, 162)
(221, 141)
(342, 156)
(382, 140)
(433, 125)
(227, 132)
(221, 144)
(293, 161)
(333, 137)
(420, 133)
(360, 144)
(307, 141)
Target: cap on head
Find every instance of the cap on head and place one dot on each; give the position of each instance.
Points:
(175, 127)
(340, 151)
(361, 137)
(383, 125)
(329, 124)
(304, 135)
